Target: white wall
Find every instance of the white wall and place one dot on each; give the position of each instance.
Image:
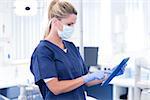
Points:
(107, 24)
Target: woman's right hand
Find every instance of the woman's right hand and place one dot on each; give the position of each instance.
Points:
(99, 75)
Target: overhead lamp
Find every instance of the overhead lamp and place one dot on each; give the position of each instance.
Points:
(25, 7)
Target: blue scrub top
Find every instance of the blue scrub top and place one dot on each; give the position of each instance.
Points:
(48, 60)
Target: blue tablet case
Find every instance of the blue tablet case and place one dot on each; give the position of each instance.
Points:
(114, 73)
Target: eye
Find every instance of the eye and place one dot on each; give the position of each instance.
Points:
(70, 24)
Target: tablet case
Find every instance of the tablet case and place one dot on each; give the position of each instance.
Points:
(114, 73)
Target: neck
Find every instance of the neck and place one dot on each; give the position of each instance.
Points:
(55, 39)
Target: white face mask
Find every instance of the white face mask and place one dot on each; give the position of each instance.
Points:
(67, 32)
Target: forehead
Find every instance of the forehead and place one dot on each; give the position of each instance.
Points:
(71, 18)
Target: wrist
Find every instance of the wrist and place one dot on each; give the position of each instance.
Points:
(86, 78)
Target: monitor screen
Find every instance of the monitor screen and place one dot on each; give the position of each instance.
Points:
(90, 56)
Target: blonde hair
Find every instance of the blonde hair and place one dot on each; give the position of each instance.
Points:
(59, 9)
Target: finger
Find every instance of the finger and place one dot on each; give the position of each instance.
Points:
(105, 77)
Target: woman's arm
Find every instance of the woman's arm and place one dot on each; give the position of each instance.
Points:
(95, 82)
(58, 87)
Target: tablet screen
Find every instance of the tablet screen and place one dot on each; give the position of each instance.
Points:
(115, 72)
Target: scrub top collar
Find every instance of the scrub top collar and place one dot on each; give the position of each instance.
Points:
(65, 50)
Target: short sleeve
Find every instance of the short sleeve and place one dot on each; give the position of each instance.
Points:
(43, 65)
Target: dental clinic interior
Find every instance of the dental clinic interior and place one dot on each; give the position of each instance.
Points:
(105, 33)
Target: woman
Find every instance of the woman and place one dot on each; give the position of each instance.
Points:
(56, 64)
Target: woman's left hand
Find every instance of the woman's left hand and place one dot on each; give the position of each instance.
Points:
(108, 72)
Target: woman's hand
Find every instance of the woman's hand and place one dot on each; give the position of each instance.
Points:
(119, 73)
(94, 76)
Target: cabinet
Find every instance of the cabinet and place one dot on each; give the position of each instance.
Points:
(5, 35)
(100, 93)
(122, 86)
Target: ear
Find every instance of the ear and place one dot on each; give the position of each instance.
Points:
(57, 24)
(54, 20)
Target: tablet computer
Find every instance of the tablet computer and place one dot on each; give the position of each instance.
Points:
(115, 72)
